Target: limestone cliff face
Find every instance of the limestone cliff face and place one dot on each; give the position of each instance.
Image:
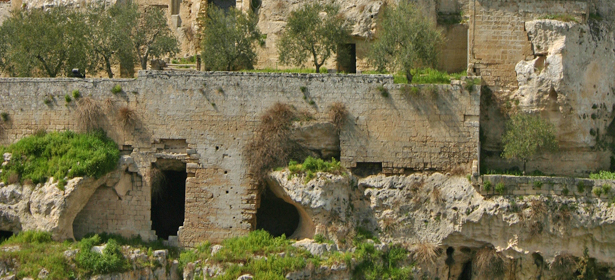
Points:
(448, 213)
(571, 82)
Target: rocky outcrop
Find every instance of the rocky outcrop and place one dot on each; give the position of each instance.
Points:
(46, 207)
(447, 215)
(570, 82)
(50, 207)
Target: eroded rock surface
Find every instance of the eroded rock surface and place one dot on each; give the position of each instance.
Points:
(447, 214)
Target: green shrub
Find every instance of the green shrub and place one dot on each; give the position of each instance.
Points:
(500, 188)
(116, 89)
(67, 98)
(60, 155)
(487, 186)
(76, 94)
(383, 91)
(537, 184)
(4, 116)
(605, 175)
(565, 191)
(311, 166)
(606, 189)
(581, 187)
(470, 83)
(303, 89)
(47, 101)
(319, 238)
(111, 260)
(29, 237)
(597, 191)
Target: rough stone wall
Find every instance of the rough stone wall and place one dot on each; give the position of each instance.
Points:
(454, 54)
(435, 127)
(127, 214)
(547, 186)
(498, 40)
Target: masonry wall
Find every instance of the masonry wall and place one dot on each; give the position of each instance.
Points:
(543, 185)
(497, 36)
(108, 211)
(214, 114)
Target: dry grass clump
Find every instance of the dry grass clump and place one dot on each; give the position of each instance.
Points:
(158, 181)
(489, 263)
(425, 253)
(13, 178)
(459, 171)
(127, 115)
(271, 147)
(539, 209)
(563, 267)
(89, 113)
(338, 114)
(436, 195)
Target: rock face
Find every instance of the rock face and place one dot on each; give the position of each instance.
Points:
(45, 207)
(446, 214)
(570, 82)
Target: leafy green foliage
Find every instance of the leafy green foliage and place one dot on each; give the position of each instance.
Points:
(597, 191)
(500, 188)
(245, 249)
(152, 36)
(4, 116)
(311, 166)
(111, 259)
(116, 89)
(526, 136)
(76, 94)
(406, 41)
(606, 175)
(374, 264)
(487, 186)
(229, 39)
(314, 32)
(49, 42)
(561, 17)
(36, 252)
(537, 184)
(60, 155)
(110, 35)
(67, 98)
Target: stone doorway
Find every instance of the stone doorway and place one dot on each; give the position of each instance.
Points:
(347, 58)
(276, 216)
(168, 180)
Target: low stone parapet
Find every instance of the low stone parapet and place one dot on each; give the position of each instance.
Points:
(545, 185)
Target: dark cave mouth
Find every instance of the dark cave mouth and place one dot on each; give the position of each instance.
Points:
(4, 235)
(276, 216)
(168, 202)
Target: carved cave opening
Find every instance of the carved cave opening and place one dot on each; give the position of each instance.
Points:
(466, 273)
(276, 216)
(168, 198)
(5, 235)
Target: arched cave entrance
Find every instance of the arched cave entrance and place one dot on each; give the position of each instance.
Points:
(276, 216)
(5, 235)
(466, 273)
(168, 180)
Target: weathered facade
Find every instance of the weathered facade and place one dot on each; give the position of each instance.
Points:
(198, 123)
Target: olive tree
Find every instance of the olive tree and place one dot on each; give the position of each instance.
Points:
(312, 31)
(229, 39)
(40, 42)
(152, 36)
(110, 35)
(527, 136)
(406, 40)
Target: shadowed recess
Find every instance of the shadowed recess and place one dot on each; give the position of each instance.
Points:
(276, 216)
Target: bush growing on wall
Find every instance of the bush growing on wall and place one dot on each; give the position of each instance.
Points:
(527, 136)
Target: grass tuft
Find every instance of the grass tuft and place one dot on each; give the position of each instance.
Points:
(311, 166)
(116, 89)
(338, 114)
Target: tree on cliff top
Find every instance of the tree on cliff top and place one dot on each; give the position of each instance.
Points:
(110, 37)
(228, 39)
(527, 136)
(406, 40)
(313, 31)
(43, 43)
(152, 36)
